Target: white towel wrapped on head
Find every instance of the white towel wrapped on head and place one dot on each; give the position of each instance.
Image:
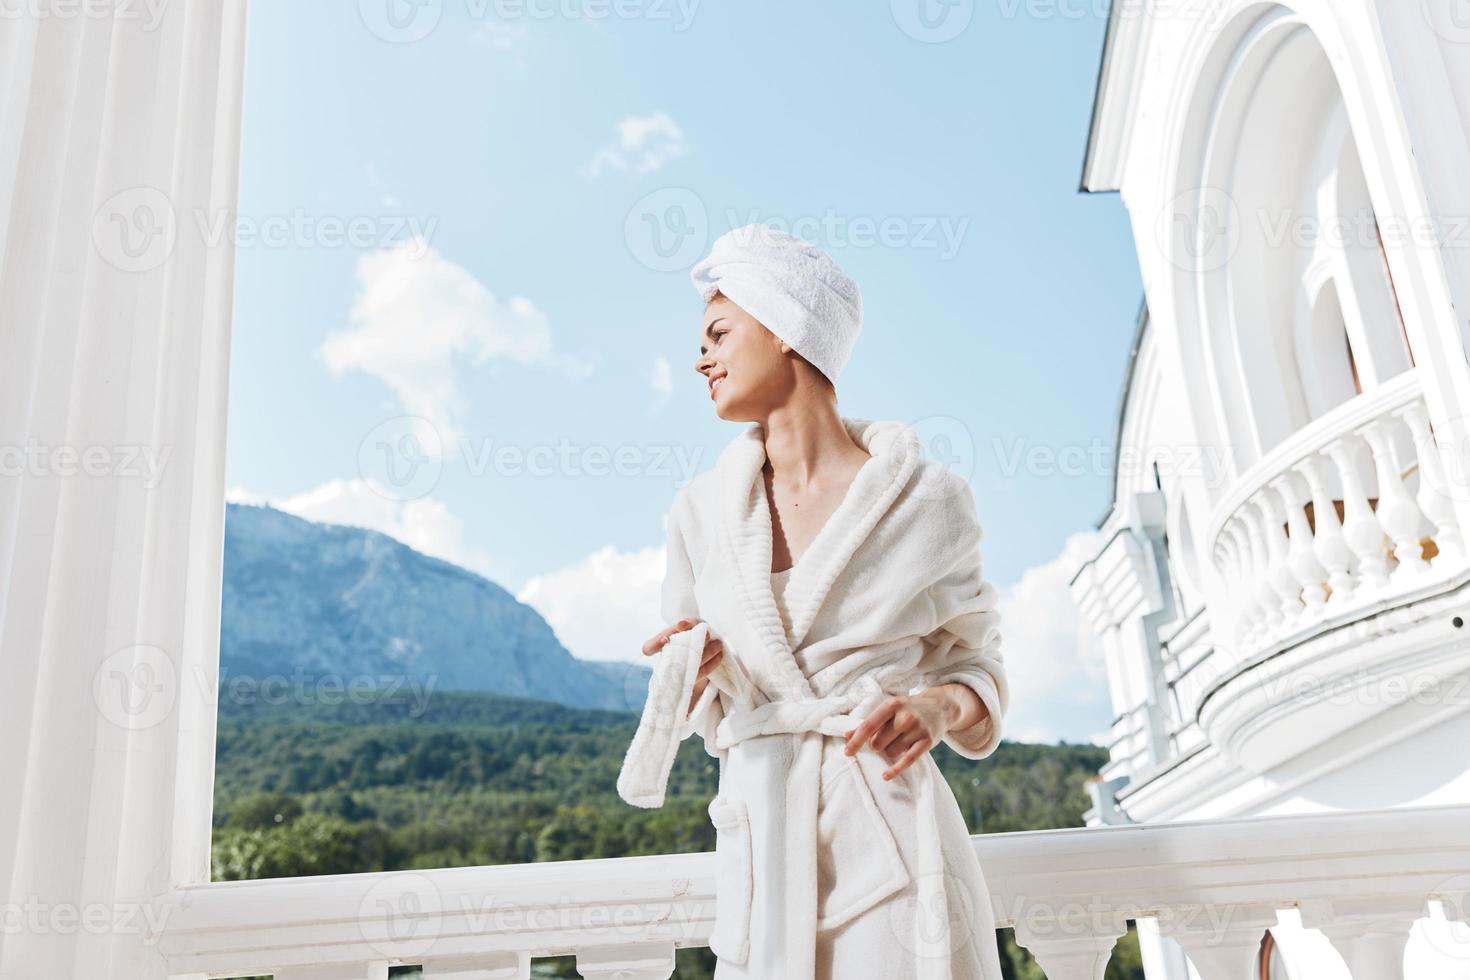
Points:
(796, 290)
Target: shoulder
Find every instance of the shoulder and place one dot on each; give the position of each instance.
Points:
(944, 493)
(693, 500)
(941, 512)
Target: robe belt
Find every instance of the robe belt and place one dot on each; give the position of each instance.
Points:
(836, 715)
(832, 715)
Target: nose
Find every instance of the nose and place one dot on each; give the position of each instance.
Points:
(704, 364)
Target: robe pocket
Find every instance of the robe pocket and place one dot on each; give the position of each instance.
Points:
(734, 878)
(858, 859)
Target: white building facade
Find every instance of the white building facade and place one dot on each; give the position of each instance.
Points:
(1282, 590)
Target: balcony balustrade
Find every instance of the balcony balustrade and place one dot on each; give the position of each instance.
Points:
(1361, 878)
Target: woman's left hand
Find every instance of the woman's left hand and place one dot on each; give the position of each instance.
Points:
(905, 726)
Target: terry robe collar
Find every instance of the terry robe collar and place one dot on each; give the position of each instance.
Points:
(746, 522)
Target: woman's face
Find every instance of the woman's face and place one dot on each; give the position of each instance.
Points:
(749, 369)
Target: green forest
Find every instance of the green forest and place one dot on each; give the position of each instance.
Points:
(468, 778)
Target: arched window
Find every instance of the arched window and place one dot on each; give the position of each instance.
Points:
(1281, 274)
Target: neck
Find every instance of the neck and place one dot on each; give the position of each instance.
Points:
(804, 438)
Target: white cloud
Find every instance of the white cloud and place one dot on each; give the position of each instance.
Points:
(1054, 663)
(421, 319)
(604, 606)
(240, 495)
(641, 145)
(661, 381)
(424, 524)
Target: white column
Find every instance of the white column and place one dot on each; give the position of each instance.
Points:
(1413, 80)
(114, 332)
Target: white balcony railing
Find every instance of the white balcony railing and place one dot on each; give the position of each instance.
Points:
(1354, 511)
(1362, 878)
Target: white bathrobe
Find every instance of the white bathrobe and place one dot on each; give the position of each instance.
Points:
(825, 869)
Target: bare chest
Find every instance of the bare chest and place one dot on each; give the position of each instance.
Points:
(797, 520)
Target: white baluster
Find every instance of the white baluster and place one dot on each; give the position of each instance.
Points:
(1260, 581)
(1228, 563)
(376, 970)
(1327, 539)
(490, 966)
(1305, 565)
(1065, 954)
(1252, 616)
(1435, 492)
(1279, 574)
(1360, 527)
(1222, 941)
(1369, 934)
(634, 961)
(1398, 514)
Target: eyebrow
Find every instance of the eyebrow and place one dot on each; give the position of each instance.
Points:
(709, 332)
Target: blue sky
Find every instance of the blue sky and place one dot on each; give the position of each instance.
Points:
(465, 232)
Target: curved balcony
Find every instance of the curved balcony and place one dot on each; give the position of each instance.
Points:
(1363, 879)
(1320, 549)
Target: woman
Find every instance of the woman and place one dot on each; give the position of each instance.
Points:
(829, 626)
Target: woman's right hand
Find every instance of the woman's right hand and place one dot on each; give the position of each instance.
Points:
(713, 650)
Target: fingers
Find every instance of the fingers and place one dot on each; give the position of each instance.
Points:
(713, 651)
(874, 722)
(710, 659)
(921, 745)
(661, 638)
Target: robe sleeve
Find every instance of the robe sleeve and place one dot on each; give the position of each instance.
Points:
(965, 648)
(677, 602)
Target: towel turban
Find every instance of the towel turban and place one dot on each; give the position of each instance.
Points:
(791, 286)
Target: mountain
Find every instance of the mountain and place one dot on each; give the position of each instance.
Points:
(328, 607)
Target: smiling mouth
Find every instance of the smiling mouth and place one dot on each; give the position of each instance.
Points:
(715, 385)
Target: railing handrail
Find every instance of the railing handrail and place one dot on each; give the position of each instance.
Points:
(1397, 391)
(1401, 854)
